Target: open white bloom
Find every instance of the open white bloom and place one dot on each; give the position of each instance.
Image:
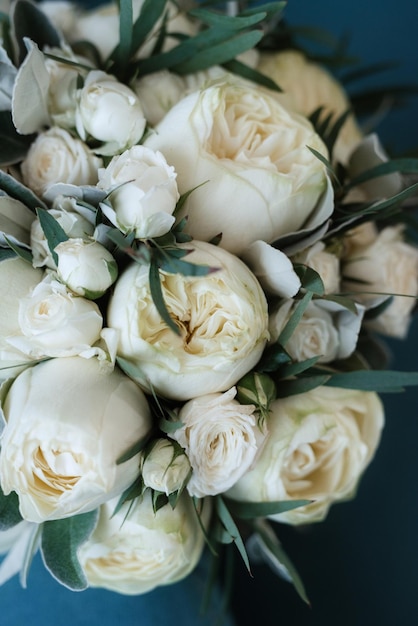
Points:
(17, 278)
(258, 178)
(142, 192)
(327, 330)
(221, 317)
(310, 86)
(54, 322)
(73, 224)
(387, 265)
(318, 446)
(136, 550)
(86, 267)
(165, 468)
(110, 112)
(67, 423)
(221, 438)
(57, 157)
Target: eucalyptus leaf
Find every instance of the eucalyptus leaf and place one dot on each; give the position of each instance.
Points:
(15, 221)
(310, 279)
(274, 356)
(251, 510)
(31, 86)
(293, 369)
(249, 73)
(303, 384)
(60, 541)
(53, 231)
(13, 146)
(158, 298)
(125, 32)
(17, 190)
(9, 510)
(226, 21)
(7, 78)
(294, 319)
(133, 450)
(23, 253)
(230, 526)
(404, 166)
(371, 380)
(30, 22)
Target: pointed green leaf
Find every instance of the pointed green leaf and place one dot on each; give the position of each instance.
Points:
(125, 32)
(293, 369)
(404, 166)
(230, 526)
(310, 279)
(53, 231)
(60, 542)
(249, 73)
(29, 21)
(292, 387)
(371, 380)
(13, 146)
(23, 253)
(15, 189)
(9, 510)
(226, 21)
(250, 510)
(158, 298)
(295, 318)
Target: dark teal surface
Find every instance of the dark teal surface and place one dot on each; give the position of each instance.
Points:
(360, 567)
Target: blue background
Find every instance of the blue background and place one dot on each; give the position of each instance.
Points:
(360, 565)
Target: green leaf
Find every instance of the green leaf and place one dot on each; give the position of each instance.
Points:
(273, 545)
(274, 356)
(6, 253)
(23, 253)
(31, 22)
(293, 369)
(133, 450)
(230, 526)
(151, 11)
(125, 32)
(347, 303)
(220, 53)
(371, 380)
(9, 510)
(326, 162)
(53, 231)
(393, 201)
(60, 541)
(294, 387)
(226, 21)
(404, 166)
(184, 197)
(250, 510)
(13, 188)
(13, 146)
(158, 298)
(295, 318)
(310, 279)
(247, 72)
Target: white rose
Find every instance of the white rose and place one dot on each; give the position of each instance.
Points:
(318, 446)
(165, 469)
(325, 263)
(67, 423)
(136, 550)
(221, 438)
(16, 279)
(53, 322)
(273, 269)
(309, 87)
(327, 330)
(158, 93)
(86, 267)
(73, 224)
(258, 178)
(142, 192)
(388, 265)
(221, 317)
(57, 157)
(110, 112)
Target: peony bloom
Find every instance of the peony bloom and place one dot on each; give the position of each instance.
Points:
(67, 423)
(258, 179)
(136, 550)
(309, 87)
(221, 317)
(166, 467)
(318, 446)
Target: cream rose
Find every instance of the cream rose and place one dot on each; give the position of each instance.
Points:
(388, 265)
(327, 330)
(310, 86)
(57, 157)
(136, 550)
(73, 224)
(166, 467)
(67, 423)
(258, 178)
(221, 437)
(110, 112)
(325, 263)
(86, 267)
(53, 322)
(142, 192)
(17, 278)
(318, 446)
(221, 317)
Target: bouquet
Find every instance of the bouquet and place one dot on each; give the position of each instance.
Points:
(200, 253)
